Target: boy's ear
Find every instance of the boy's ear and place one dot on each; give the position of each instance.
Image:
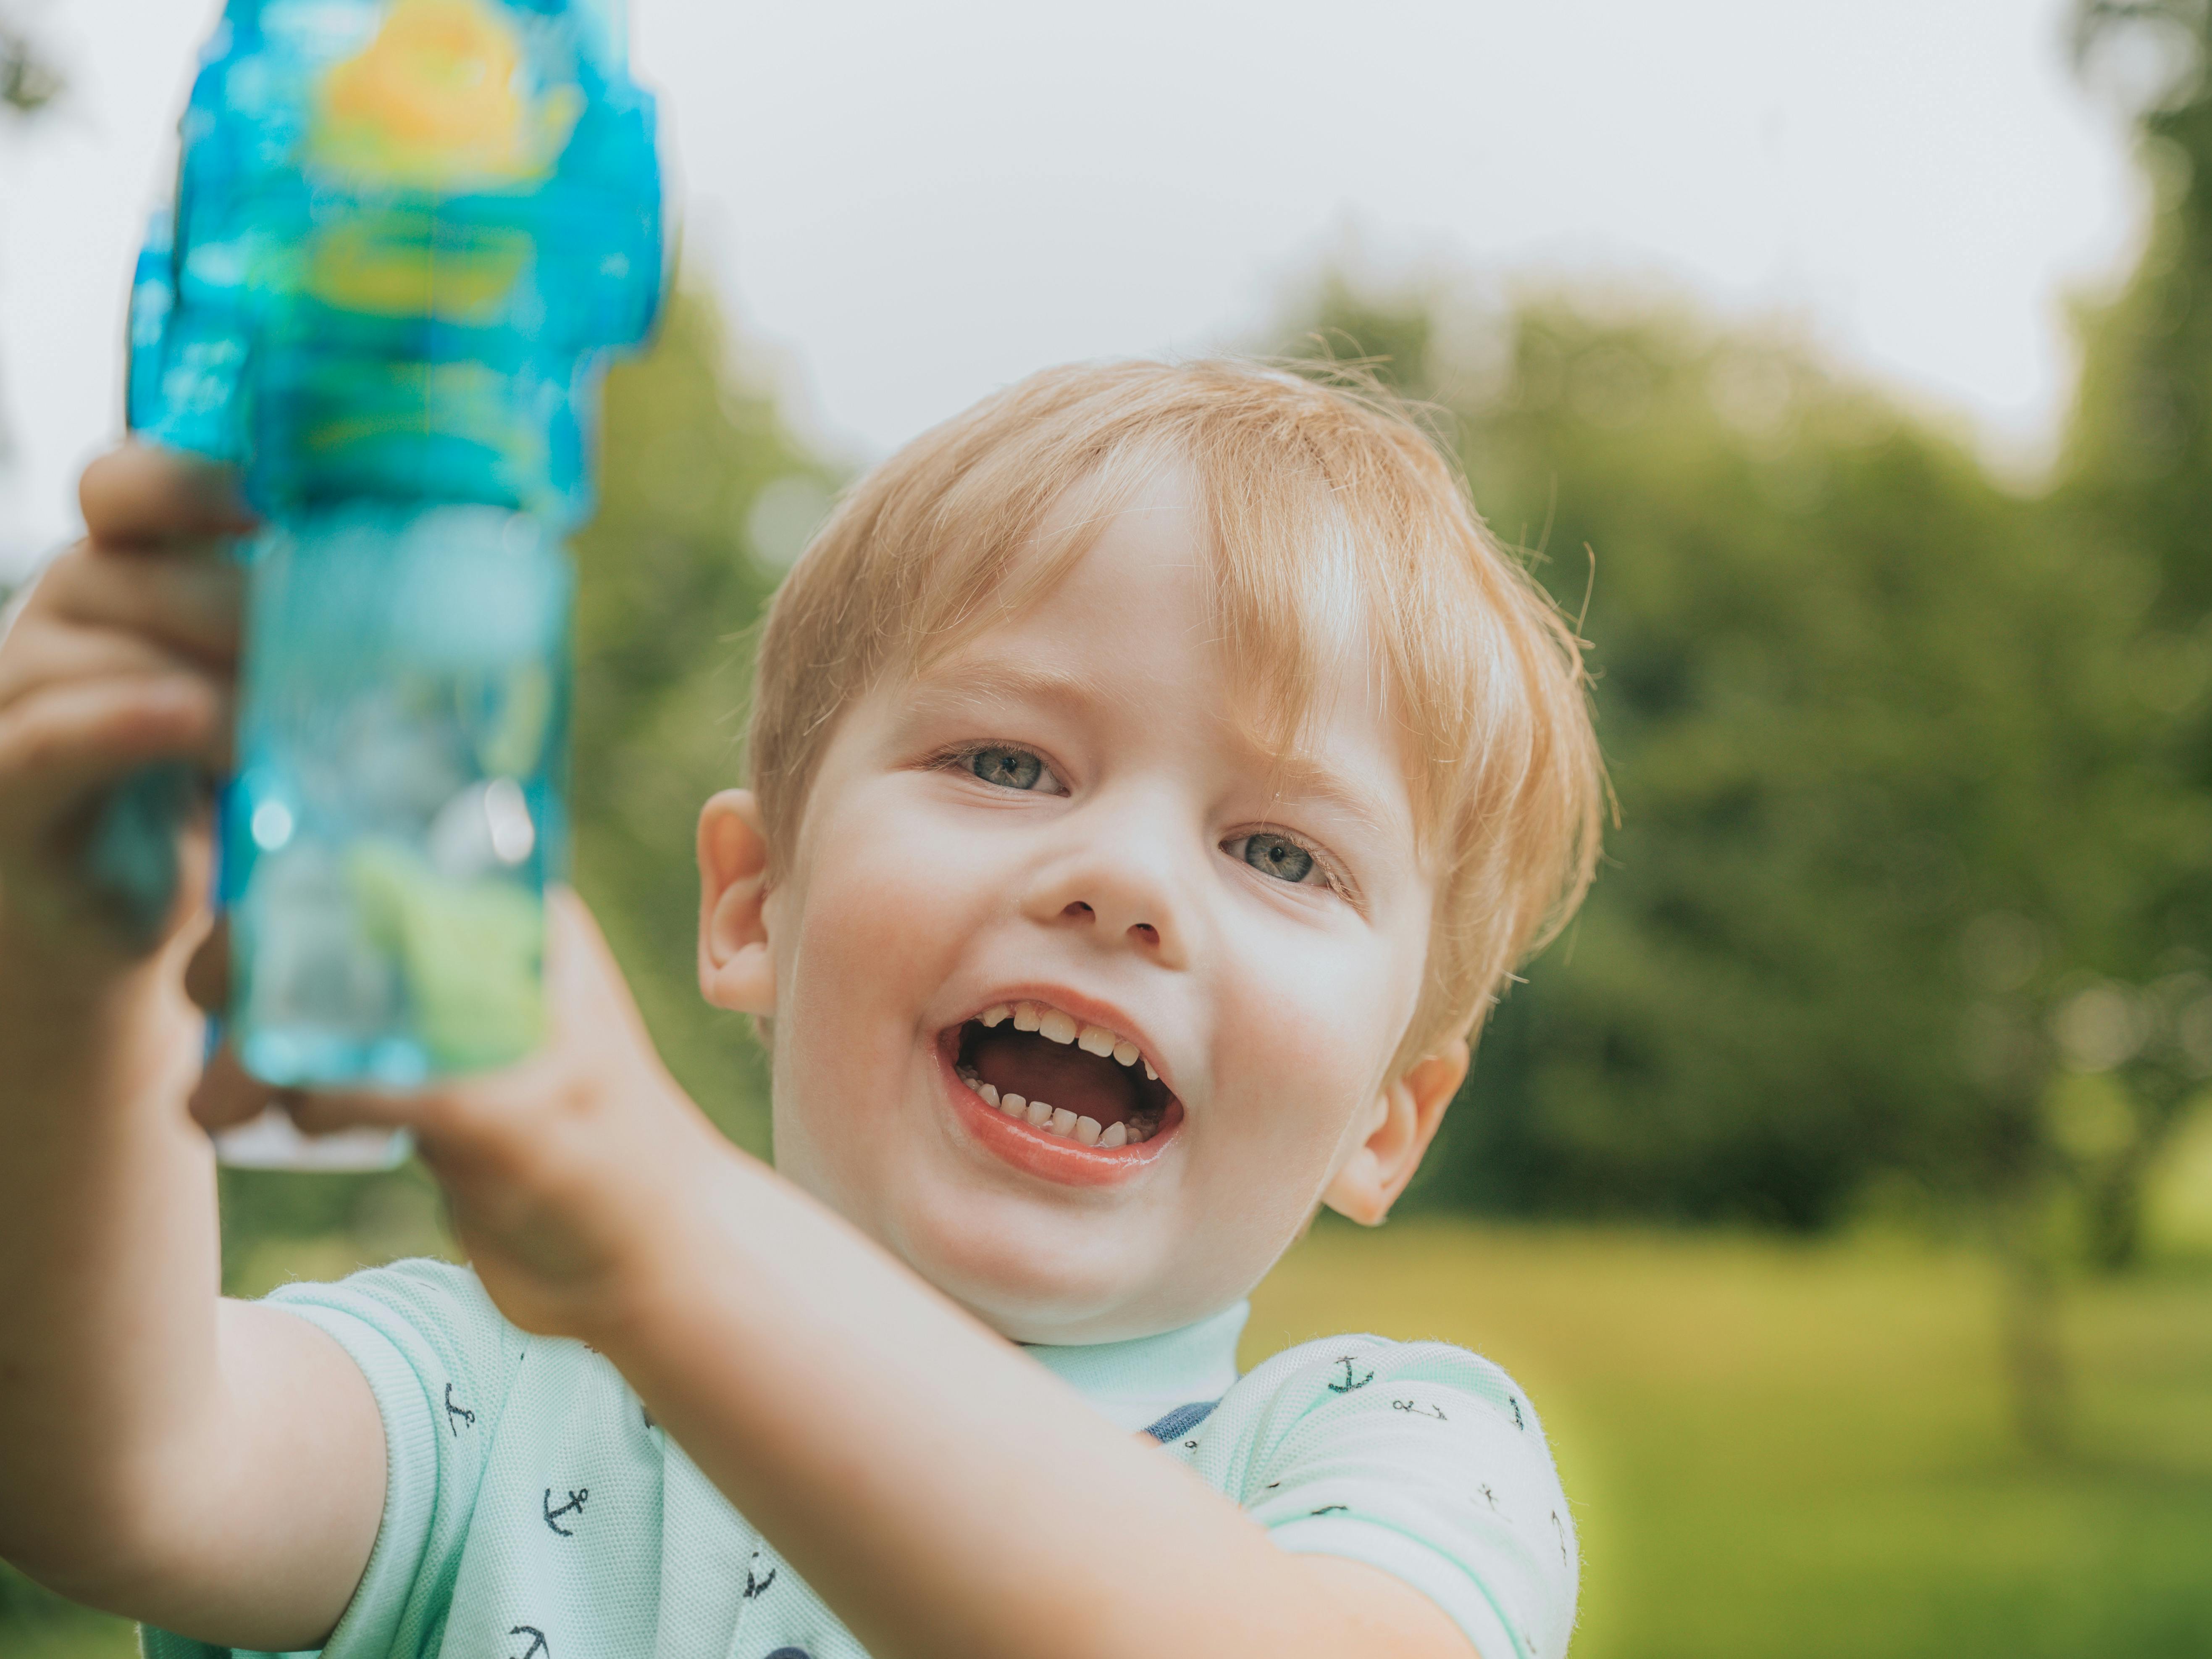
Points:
(1405, 1122)
(736, 969)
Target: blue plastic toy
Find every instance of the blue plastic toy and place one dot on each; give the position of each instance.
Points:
(407, 234)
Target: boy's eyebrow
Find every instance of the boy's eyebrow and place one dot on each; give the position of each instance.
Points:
(1301, 777)
(961, 681)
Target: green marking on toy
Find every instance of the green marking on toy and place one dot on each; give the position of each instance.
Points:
(470, 952)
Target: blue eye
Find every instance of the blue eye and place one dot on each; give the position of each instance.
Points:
(1010, 768)
(1277, 856)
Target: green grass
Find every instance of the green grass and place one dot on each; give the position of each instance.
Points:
(1807, 1450)
(1793, 1450)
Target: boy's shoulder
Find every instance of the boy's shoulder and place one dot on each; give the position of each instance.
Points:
(425, 1283)
(1411, 1409)
(1420, 1458)
(436, 1320)
(1379, 1369)
(434, 1317)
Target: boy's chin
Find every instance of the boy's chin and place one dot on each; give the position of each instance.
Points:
(1034, 1297)
(1040, 1287)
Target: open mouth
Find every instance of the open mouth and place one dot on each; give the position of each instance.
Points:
(1029, 1061)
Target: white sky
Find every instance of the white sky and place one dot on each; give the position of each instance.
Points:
(908, 206)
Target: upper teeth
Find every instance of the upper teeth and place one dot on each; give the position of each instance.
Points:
(1050, 1022)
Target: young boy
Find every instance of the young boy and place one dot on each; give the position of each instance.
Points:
(1156, 773)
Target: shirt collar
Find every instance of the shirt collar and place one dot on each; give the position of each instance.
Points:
(1139, 1382)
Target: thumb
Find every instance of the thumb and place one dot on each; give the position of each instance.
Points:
(140, 492)
(207, 977)
(228, 1094)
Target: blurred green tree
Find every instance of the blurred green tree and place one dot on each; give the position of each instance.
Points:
(707, 496)
(29, 83)
(28, 79)
(2136, 477)
(1891, 798)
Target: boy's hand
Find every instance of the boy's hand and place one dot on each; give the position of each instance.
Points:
(123, 655)
(561, 1172)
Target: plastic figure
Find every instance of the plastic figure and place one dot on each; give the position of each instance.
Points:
(407, 233)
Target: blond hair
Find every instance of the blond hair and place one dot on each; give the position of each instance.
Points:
(1332, 516)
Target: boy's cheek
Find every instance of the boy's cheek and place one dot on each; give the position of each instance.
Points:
(890, 925)
(880, 929)
(1311, 1038)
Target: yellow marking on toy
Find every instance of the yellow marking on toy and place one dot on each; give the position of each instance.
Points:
(360, 266)
(438, 101)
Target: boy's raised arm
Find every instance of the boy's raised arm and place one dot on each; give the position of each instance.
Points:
(972, 1506)
(213, 1467)
(946, 1496)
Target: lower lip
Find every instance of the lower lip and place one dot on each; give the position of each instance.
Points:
(1051, 1157)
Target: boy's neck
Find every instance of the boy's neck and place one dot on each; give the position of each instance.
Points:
(1136, 1381)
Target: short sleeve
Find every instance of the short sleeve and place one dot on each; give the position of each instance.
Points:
(1420, 1459)
(441, 1361)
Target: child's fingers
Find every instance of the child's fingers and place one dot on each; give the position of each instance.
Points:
(60, 742)
(228, 1094)
(326, 1111)
(142, 493)
(207, 975)
(56, 652)
(188, 596)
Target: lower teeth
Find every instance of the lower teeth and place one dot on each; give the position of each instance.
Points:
(1061, 1122)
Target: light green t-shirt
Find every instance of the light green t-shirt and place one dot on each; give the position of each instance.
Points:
(533, 1509)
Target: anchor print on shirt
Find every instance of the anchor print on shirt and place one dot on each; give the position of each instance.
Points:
(538, 1643)
(756, 1586)
(457, 1415)
(1350, 1383)
(1415, 1408)
(575, 1506)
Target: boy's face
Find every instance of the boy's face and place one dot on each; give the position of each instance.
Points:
(1068, 813)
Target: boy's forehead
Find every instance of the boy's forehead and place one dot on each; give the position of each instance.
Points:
(1125, 569)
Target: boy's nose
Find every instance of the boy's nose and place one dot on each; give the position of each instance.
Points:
(1121, 893)
(1141, 932)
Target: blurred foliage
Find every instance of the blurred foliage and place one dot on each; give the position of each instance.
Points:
(1901, 822)
(29, 83)
(702, 480)
(28, 80)
(1911, 890)
(2136, 478)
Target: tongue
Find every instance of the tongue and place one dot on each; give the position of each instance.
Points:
(1060, 1074)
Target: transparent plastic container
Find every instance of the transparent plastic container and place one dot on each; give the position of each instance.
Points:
(407, 235)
